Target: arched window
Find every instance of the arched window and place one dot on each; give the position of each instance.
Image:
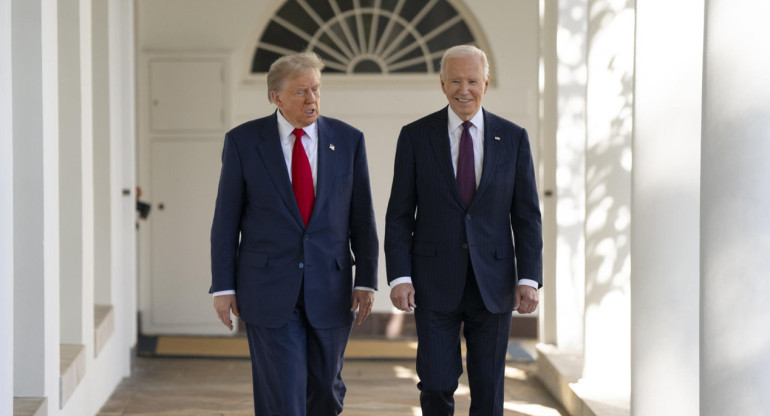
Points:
(364, 36)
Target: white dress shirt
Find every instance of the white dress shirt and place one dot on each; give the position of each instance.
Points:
(310, 143)
(455, 130)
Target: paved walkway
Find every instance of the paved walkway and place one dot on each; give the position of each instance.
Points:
(222, 387)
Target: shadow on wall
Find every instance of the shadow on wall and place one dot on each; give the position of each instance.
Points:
(608, 184)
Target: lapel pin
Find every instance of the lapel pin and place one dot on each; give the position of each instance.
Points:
(331, 146)
(497, 138)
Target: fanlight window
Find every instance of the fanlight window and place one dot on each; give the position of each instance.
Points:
(364, 36)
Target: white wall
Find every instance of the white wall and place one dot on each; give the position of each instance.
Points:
(101, 152)
(565, 27)
(72, 329)
(6, 211)
(609, 122)
(370, 104)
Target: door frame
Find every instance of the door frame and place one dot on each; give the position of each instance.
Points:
(144, 181)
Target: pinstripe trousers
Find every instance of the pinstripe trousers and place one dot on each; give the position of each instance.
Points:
(439, 359)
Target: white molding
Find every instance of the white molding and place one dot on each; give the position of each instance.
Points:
(384, 81)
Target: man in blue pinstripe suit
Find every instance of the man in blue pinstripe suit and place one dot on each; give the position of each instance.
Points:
(293, 207)
(463, 238)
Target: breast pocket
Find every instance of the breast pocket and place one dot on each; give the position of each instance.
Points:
(505, 172)
(344, 183)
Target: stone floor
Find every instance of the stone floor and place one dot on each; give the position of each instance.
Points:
(222, 387)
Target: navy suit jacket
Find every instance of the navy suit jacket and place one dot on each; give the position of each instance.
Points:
(430, 234)
(260, 246)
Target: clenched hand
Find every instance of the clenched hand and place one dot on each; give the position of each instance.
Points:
(402, 296)
(526, 299)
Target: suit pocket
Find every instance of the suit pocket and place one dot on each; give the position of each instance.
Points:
(253, 259)
(342, 262)
(422, 248)
(504, 252)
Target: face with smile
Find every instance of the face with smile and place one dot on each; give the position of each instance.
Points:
(464, 84)
(299, 98)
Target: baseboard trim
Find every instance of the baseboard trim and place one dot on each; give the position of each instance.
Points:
(401, 325)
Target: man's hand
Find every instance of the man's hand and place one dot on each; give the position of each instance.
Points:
(526, 299)
(362, 300)
(223, 304)
(402, 296)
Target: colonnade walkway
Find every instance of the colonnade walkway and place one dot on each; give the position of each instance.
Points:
(376, 387)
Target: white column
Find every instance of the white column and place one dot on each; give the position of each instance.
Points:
(122, 160)
(608, 197)
(6, 212)
(70, 174)
(564, 33)
(549, 11)
(128, 85)
(666, 208)
(35, 199)
(570, 172)
(87, 175)
(735, 210)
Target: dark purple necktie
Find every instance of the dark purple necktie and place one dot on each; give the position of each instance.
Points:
(466, 166)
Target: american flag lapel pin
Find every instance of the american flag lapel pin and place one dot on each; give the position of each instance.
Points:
(331, 146)
(497, 138)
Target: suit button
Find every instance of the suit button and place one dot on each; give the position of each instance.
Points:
(306, 236)
(302, 265)
(465, 245)
(467, 217)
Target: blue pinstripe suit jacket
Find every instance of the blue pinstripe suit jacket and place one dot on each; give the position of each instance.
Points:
(431, 235)
(259, 244)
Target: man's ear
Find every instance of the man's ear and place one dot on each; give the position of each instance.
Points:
(275, 97)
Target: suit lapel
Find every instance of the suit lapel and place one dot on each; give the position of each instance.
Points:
(492, 149)
(440, 143)
(327, 165)
(271, 153)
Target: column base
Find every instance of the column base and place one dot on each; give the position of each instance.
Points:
(561, 370)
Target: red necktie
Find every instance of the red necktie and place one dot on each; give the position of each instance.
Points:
(302, 177)
(466, 166)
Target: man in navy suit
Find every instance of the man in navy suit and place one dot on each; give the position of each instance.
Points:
(463, 192)
(293, 201)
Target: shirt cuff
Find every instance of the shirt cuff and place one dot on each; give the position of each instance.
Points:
(368, 289)
(528, 282)
(223, 292)
(402, 279)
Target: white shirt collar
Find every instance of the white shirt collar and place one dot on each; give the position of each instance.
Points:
(455, 121)
(285, 130)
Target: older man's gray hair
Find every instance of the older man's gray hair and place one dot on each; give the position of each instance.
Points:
(290, 66)
(464, 51)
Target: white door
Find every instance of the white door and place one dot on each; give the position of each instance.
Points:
(186, 120)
